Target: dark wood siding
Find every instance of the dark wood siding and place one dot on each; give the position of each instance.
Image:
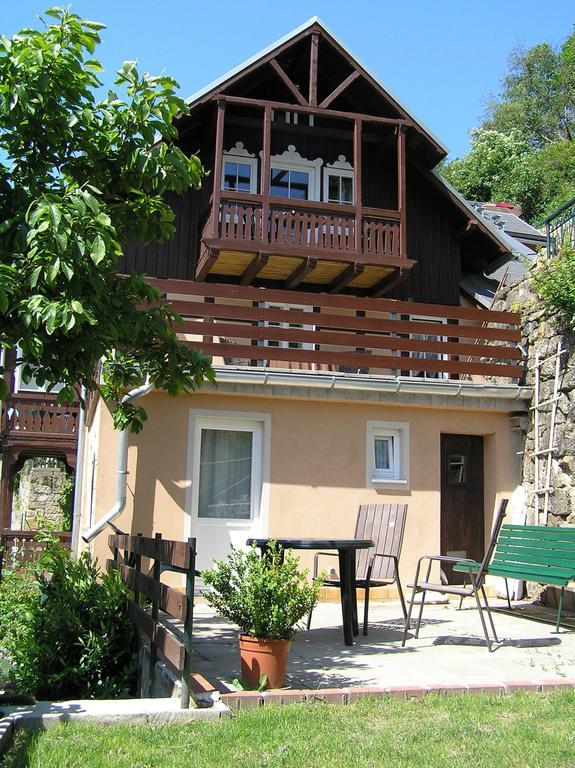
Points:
(432, 242)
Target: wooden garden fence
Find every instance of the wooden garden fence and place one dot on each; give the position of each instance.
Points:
(161, 554)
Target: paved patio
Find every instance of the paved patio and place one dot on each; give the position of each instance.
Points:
(450, 650)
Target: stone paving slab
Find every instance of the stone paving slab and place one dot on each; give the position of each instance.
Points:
(449, 653)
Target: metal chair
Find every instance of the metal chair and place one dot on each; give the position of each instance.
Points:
(379, 566)
(475, 574)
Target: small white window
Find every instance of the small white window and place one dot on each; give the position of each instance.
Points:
(239, 170)
(295, 118)
(387, 453)
(31, 386)
(338, 182)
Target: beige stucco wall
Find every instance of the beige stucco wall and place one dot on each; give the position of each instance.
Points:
(317, 466)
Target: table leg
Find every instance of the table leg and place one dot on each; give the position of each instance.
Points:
(345, 577)
(353, 591)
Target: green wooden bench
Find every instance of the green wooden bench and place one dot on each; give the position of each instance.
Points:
(544, 554)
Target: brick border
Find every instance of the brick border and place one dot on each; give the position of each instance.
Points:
(239, 700)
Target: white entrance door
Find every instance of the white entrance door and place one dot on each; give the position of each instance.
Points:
(227, 478)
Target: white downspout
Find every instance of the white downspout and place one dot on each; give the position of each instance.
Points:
(78, 476)
(122, 471)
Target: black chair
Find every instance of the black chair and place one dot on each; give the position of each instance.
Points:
(379, 566)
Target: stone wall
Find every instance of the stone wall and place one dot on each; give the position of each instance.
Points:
(541, 336)
(37, 502)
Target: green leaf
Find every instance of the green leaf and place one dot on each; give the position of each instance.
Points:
(97, 250)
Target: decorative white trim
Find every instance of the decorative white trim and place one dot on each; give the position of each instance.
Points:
(342, 169)
(398, 478)
(291, 160)
(240, 154)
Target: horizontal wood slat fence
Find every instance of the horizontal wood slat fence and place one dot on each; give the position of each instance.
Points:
(178, 556)
(396, 336)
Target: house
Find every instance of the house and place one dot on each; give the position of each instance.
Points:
(320, 265)
(38, 445)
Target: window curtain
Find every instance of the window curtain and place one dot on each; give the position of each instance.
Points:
(225, 474)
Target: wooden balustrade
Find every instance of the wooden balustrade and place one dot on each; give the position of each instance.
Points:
(19, 547)
(39, 416)
(305, 227)
(389, 337)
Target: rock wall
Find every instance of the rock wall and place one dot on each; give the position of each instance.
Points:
(541, 336)
(37, 502)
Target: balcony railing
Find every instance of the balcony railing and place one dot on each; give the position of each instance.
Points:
(38, 417)
(305, 228)
(258, 326)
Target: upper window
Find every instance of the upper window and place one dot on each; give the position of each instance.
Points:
(239, 170)
(387, 452)
(296, 118)
(31, 386)
(428, 355)
(338, 182)
(293, 176)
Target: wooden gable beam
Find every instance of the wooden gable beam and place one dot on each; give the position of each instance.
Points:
(345, 277)
(253, 269)
(313, 70)
(288, 82)
(340, 89)
(300, 273)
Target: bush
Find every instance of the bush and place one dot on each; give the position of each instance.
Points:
(554, 281)
(65, 631)
(264, 596)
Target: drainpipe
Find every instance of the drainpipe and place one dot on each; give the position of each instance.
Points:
(78, 475)
(122, 471)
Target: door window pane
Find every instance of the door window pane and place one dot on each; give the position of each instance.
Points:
(456, 469)
(225, 474)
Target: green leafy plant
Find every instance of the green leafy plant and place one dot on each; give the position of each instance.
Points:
(266, 596)
(554, 281)
(65, 502)
(241, 686)
(82, 173)
(64, 629)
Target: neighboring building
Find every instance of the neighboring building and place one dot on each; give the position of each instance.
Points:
(36, 431)
(320, 265)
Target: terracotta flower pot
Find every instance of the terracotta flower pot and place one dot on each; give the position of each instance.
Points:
(260, 656)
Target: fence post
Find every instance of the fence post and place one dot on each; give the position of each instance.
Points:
(156, 571)
(138, 568)
(188, 623)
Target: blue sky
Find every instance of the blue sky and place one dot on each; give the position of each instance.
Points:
(441, 58)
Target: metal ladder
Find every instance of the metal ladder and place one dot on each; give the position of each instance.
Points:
(542, 455)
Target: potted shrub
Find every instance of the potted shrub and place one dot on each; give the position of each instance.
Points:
(266, 596)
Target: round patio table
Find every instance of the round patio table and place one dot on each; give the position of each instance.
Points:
(346, 549)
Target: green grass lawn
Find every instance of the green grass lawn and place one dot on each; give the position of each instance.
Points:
(523, 730)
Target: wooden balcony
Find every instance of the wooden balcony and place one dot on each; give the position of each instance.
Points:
(249, 326)
(295, 241)
(37, 420)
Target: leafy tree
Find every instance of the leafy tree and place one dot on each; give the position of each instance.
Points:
(80, 176)
(524, 152)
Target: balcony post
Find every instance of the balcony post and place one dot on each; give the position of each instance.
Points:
(218, 162)
(266, 174)
(401, 192)
(357, 125)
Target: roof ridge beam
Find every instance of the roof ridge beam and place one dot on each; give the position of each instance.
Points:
(288, 82)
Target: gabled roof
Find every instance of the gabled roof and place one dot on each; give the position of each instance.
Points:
(313, 25)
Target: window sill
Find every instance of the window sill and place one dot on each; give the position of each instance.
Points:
(399, 484)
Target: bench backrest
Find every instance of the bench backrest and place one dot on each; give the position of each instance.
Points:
(528, 549)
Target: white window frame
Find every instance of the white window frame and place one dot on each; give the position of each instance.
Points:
(342, 169)
(291, 160)
(239, 154)
(398, 475)
(31, 386)
(428, 355)
(259, 426)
